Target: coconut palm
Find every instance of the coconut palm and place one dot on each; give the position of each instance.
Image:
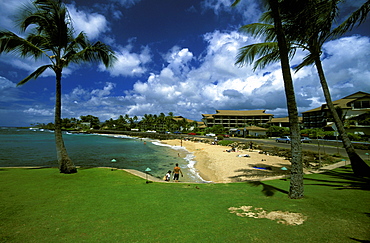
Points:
(50, 35)
(282, 51)
(307, 25)
(310, 29)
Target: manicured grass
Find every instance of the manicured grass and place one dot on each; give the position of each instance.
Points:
(100, 205)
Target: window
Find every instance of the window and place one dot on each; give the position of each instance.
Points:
(361, 104)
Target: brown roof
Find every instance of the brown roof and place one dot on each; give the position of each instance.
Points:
(342, 103)
(255, 128)
(283, 119)
(238, 113)
(179, 118)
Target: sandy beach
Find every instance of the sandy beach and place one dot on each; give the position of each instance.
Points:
(214, 164)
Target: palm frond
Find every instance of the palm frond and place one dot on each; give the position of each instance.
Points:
(307, 61)
(248, 54)
(93, 53)
(235, 3)
(49, 16)
(35, 74)
(356, 18)
(263, 61)
(258, 30)
(10, 42)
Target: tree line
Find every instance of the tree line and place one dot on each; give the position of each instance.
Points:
(161, 123)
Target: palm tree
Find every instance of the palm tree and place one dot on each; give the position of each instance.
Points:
(51, 35)
(308, 25)
(311, 28)
(296, 184)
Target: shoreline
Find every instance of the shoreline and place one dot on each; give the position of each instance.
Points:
(214, 164)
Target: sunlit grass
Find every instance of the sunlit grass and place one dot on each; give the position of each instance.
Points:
(100, 205)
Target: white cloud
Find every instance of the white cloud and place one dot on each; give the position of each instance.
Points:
(39, 112)
(129, 63)
(8, 91)
(248, 9)
(218, 84)
(5, 83)
(93, 24)
(7, 10)
(127, 3)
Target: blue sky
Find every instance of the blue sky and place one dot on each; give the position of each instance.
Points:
(173, 56)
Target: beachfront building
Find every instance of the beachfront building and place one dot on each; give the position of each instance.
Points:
(282, 121)
(251, 131)
(235, 118)
(354, 107)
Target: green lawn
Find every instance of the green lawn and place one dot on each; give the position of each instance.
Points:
(100, 205)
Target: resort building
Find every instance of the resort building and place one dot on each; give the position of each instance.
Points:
(252, 131)
(354, 107)
(234, 118)
(282, 121)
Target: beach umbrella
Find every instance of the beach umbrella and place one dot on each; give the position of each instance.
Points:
(113, 161)
(284, 168)
(147, 170)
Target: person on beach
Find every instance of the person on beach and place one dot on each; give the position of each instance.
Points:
(168, 176)
(176, 173)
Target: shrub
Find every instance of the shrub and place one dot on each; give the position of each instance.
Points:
(225, 142)
(220, 137)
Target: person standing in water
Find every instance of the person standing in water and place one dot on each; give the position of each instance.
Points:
(176, 173)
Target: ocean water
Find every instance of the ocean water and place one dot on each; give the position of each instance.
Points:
(25, 147)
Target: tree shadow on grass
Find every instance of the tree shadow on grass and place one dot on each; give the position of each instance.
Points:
(267, 190)
(261, 170)
(341, 179)
(364, 241)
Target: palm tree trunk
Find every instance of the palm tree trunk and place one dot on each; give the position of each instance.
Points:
(296, 183)
(65, 163)
(359, 167)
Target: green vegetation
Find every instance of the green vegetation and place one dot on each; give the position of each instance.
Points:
(100, 205)
(225, 142)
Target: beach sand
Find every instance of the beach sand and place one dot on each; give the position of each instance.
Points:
(215, 165)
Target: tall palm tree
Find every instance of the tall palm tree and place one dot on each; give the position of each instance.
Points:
(307, 25)
(310, 26)
(296, 190)
(51, 35)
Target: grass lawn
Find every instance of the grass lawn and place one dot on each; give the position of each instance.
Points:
(100, 205)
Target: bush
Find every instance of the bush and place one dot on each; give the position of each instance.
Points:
(225, 142)
(220, 137)
(362, 146)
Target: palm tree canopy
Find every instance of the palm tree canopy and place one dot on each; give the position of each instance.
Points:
(356, 18)
(263, 53)
(50, 34)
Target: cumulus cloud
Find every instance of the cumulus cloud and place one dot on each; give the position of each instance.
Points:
(129, 63)
(7, 90)
(218, 84)
(188, 84)
(93, 24)
(248, 9)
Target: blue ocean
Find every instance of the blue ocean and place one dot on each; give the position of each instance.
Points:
(25, 147)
